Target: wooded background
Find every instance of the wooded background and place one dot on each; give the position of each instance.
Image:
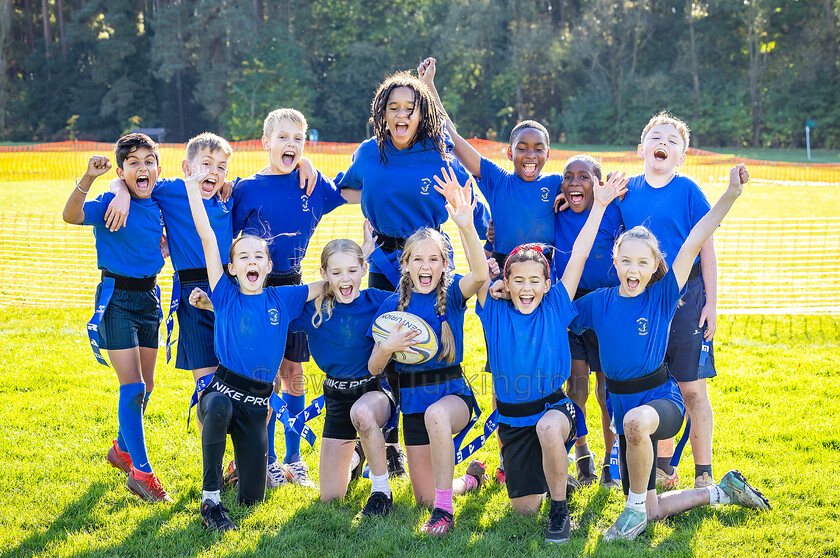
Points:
(741, 72)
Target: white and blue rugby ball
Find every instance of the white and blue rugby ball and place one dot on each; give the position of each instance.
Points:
(426, 343)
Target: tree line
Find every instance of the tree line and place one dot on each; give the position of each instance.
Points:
(742, 73)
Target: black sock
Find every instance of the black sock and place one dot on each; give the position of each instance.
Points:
(700, 469)
(664, 463)
(559, 505)
(605, 473)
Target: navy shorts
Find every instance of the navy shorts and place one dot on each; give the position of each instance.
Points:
(414, 424)
(195, 331)
(131, 320)
(686, 339)
(340, 398)
(297, 344)
(522, 454)
(585, 347)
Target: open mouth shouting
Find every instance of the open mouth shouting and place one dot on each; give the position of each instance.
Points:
(252, 275)
(632, 284)
(143, 183)
(425, 279)
(526, 300)
(575, 197)
(660, 153)
(345, 290)
(529, 169)
(401, 129)
(208, 185)
(288, 157)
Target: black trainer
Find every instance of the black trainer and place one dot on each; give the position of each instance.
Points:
(559, 525)
(396, 461)
(357, 471)
(378, 504)
(215, 516)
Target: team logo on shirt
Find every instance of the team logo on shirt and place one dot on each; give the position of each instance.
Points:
(274, 316)
(643, 326)
(425, 186)
(544, 193)
(304, 202)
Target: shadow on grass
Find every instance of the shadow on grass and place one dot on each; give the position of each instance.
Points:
(74, 518)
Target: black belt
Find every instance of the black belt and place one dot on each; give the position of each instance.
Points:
(392, 243)
(431, 377)
(531, 407)
(581, 292)
(193, 275)
(135, 284)
(637, 385)
(695, 271)
(282, 279)
(242, 383)
(349, 390)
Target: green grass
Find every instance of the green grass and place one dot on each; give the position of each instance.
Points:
(777, 403)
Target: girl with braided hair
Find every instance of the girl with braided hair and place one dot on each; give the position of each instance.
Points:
(436, 400)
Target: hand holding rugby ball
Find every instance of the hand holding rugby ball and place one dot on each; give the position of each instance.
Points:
(412, 338)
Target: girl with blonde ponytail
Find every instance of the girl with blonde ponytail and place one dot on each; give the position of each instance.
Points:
(436, 401)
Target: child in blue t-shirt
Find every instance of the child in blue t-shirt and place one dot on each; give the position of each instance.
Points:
(251, 325)
(579, 176)
(670, 204)
(435, 399)
(537, 422)
(270, 205)
(336, 324)
(633, 321)
(127, 315)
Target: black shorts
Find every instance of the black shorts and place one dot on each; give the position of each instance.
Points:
(585, 347)
(340, 399)
(670, 421)
(686, 339)
(414, 424)
(522, 454)
(131, 320)
(195, 331)
(380, 281)
(297, 344)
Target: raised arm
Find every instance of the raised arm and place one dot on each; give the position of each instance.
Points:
(74, 212)
(202, 226)
(466, 153)
(706, 227)
(461, 211)
(604, 195)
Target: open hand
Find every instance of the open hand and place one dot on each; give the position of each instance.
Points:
(116, 216)
(560, 203)
(369, 243)
(615, 186)
(456, 196)
(400, 340)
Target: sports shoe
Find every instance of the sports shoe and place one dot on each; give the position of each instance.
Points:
(146, 486)
(500, 476)
(215, 516)
(585, 466)
(478, 471)
(118, 458)
(378, 504)
(230, 475)
(664, 481)
(559, 526)
(357, 471)
(741, 493)
(440, 523)
(629, 525)
(298, 473)
(612, 483)
(572, 484)
(703, 481)
(396, 461)
(275, 475)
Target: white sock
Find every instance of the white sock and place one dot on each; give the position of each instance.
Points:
(354, 461)
(636, 502)
(214, 496)
(380, 484)
(717, 495)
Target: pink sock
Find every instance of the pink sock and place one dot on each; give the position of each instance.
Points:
(470, 481)
(443, 500)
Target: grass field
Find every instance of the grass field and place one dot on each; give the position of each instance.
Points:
(777, 402)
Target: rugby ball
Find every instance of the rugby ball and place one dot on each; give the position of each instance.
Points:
(426, 343)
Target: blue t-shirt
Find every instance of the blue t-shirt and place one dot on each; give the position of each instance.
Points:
(523, 212)
(250, 331)
(340, 345)
(633, 337)
(399, 197)
(599, 270)
(670, 212)
(272, 206)
(417, 400)
(133, 250)
(185, 249)
(529, 353)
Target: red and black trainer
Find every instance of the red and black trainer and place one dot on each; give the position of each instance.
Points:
(147, 486)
